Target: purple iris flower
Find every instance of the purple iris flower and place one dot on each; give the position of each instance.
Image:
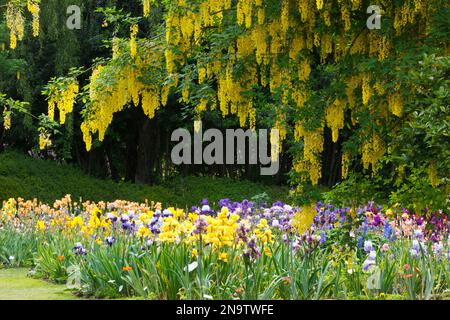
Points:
(126, 225)
(206, 209)
(110, 240)
(388, 231)
(376, 220)
(200, 225)
(370, 261)
(111, 217)
(368, 246)
(79, 249)
(437, 249)
(278, 204)
(166, 213)
(124, 218)
(419, 234)
(225, 203)
(323, 238)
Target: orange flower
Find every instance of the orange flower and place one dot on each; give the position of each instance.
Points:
(60, 258)
(239, 290)
(407, 266)
(408, 276)
(287, 280)
(127, 268)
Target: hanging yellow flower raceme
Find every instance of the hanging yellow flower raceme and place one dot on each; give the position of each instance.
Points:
(372, 150)
(6, 119)
(146, 7)
(366, 89)
(312, 148)
(244, 12)
(33, 8)
(345, 164)
(63, 97)
(304, 70)
(319, 4)
(133, 46)
(15, 23)
(44, 140)
(395, 102)
(112, 88)
(335, 118)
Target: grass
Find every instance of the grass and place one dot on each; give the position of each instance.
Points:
(46, 180)
(16, 285)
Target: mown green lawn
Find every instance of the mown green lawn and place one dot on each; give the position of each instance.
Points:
(16, 285)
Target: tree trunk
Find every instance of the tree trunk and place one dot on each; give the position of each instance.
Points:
(145, 153)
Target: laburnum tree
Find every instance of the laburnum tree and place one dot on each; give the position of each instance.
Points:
(333, 87)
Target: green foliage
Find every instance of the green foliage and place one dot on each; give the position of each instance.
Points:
(26, 177)
(16, 248)
(357, 189)
(418, 192)
(424, 136)
(136, 269)
(53, 257)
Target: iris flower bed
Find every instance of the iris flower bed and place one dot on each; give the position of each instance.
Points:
(231, 250)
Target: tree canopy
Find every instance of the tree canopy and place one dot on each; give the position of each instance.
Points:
(345, 97)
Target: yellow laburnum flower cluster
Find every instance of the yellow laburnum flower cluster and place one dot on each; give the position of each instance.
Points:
(146, 7)
(313, 147)
(6, 119)
(34, 9)
(346, 159)
(372, 150)
(16, 22)
(407, 13)
(230, 97)
(63, 99)
(133, 46)
(244, 12)
(44, 140)
(113, 87)
(395, 102)
(335, 118)
(366, 89)
(379, 46)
